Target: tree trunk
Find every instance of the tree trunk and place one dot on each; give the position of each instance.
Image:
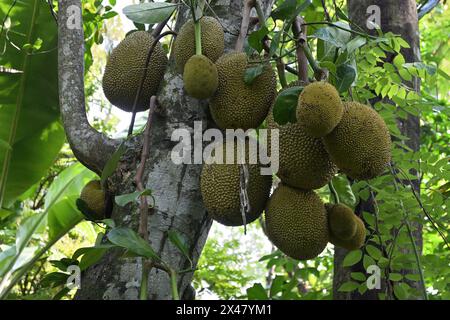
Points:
(176, 190)
(399, 17)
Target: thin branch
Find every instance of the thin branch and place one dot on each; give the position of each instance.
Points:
(144, 208)
(299, 31)
(248, 5)
(327, 15)
(419, 201)
(144, 75)
(143, 221)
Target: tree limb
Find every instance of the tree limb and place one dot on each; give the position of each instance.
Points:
(91, 147)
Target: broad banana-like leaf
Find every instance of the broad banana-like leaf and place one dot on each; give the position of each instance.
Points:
(29, 112)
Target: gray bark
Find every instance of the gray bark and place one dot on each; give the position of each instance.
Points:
(175, 187)
(399, 17)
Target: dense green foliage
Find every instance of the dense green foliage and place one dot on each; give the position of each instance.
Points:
(41, 229)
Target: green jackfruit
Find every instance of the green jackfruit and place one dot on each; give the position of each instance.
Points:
(341, 220)
(235, 104)
(200, 77)
(319, 108)
(220, 188)
(213, 42)
(94, 197)
(355, 242)
(303, 160)
(360, 145)
(296, 222)
(124, 69)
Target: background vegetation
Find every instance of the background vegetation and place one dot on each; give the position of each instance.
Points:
(41, 229)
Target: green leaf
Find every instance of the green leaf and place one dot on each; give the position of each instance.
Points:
(368, 261)
(285, 10)
(5, 145)
(399, 60)
(125, 199)
(355, 44)
(344, 190)
(257, 292)
(358, 276)
(29, 119)
(91, 257)
(54, 279)
(252, 73)
(130, 240)
(443, 74)
(395, 276)
(112, 163)
(179, 242)
(285, 107)
(77, 175)
(255, 39)
(352, 258)
(149, 13)
(400, 292)
(374, 252)
(277, 285)
(348, 286)
(345, 76)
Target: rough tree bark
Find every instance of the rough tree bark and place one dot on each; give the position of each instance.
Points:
(175, 187)
(399, 17)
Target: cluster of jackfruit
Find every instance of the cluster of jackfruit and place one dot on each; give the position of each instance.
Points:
(234, 104)
(126, 68)
(200, 76)
(329, 135)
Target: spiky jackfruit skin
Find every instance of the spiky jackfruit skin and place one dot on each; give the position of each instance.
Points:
(124, 69)
(213, 41)
(341, 220)
(296, 222)
(94, 197)
(200, 77)
(319, 108)
(303, 160)
(355, 242)
(236, 105)
(220, 189)
(360, 145)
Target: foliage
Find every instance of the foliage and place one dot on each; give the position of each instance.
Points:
(38, 197)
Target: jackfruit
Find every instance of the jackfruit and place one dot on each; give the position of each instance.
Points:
(360, 145)
(94, 197)
(220, 188)
(124, 69)
(200, 77)
(319, 108)
(341, 220)
(296, 222)
(213, 41)
(303, 160)
(355, 242)
(236, 105)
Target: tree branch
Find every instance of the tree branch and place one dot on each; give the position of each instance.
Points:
(91, 147)
(248, 5)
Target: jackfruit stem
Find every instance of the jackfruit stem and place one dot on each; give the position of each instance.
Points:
(260, 13)
(333, 192)
(198, 37)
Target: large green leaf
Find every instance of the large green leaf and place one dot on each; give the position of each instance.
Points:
(29, 112)
(64, 215)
